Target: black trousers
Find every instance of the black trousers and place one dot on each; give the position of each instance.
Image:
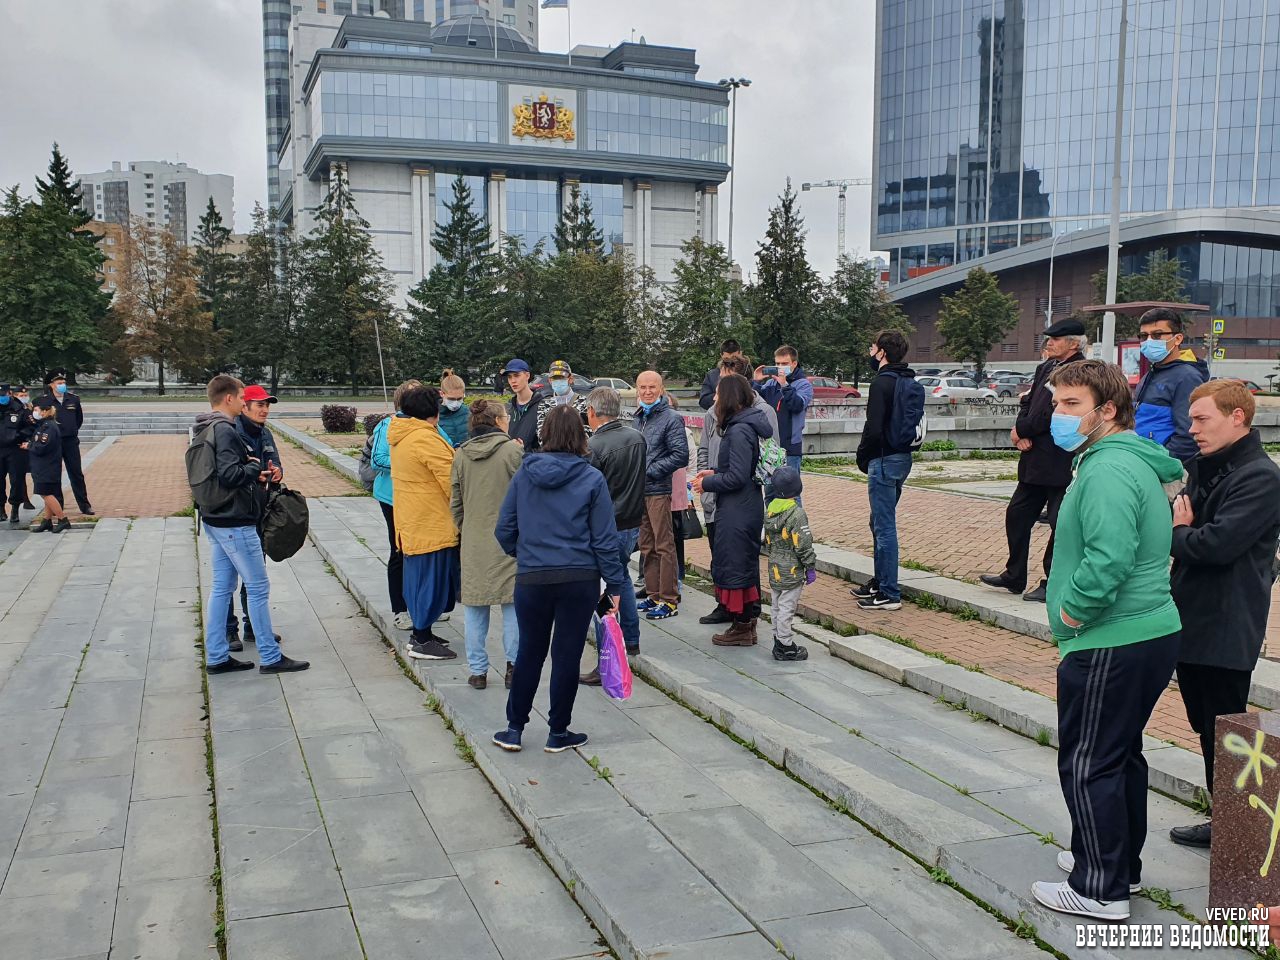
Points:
(1105, 698)
(75, 473)
(395, 562)
(13, 476)
(1209, 693)
(566, 609)
(1025, 506)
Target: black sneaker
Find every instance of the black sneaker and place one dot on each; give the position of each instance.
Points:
(15, 519)
(866, 591)
(1197, 835)
(642, 593)
(880, 602)
(229, 665)
(560, 742)
(433, 649)
(233, 643)
(789, 651)
(285, 665)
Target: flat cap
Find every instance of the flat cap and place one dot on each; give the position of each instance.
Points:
(1070, 327)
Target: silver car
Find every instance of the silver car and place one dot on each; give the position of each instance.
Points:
(945, 388)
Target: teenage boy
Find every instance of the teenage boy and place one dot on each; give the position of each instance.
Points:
(230, 513)
(790, 393)
(523, 408)
(1163, 397)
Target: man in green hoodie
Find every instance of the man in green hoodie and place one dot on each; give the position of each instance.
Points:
(1117, 629)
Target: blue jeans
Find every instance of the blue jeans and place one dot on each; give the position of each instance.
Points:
(794, 463)
(885, 477)
(476, 622)
(237, 553)
(628, 618)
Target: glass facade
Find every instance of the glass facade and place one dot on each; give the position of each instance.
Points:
(1233, 279)
(379, 46)
(364, 104)
(606, 210)
(1000, 113)
(657, 126)
(533, 210)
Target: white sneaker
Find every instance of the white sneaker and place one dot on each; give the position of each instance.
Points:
(1060, 897)
(1067, 863)
(403, 621)
(443, 618)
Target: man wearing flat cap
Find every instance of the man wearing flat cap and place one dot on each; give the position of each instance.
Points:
(1044, 469)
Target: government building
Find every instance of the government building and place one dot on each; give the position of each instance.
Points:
(401, 105)
(994, 142)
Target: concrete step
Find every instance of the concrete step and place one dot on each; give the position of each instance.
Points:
(675, 840)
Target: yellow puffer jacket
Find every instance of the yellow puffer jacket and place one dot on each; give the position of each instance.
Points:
(421, 461)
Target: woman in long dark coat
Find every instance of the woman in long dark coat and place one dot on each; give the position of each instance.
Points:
(735, 563)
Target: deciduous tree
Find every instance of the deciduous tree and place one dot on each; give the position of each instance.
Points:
(976, 317)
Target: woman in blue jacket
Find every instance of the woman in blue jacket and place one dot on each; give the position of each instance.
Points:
(380, 458)
(557, 504)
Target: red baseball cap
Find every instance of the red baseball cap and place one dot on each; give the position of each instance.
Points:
(256, 392)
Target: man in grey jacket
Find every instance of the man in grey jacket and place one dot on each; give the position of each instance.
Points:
(709, 453)
(667, 451)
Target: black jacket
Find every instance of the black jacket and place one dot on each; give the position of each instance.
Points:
(46, 453)
(872, 446)
(735, 554)
(1223, 564)
(235, 472)
(707, 395)
(619, 452)
(16, 425)
(524, 422)
(70, 412)
(668, 446)
(259, 442)
(1045, 464)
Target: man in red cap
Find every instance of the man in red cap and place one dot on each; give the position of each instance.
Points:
(261, 446)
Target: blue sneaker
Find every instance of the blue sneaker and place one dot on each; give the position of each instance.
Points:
(560, 742)
(647, 604)
(661, 611)
(508, 739)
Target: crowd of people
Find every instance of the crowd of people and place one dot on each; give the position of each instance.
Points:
(1164, 509)
(40, 438)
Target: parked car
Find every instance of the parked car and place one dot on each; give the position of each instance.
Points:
(581, 384)
(1248, 384)
(625, 390)
(824, 388)
(929, 372)
(954, 387)
(1009, 386)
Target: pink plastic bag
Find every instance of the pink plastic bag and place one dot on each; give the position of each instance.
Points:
(615, 672)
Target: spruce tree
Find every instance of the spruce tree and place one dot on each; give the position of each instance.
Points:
(854, 309)
(787, 288)
(213, 270)
(259, 304)
(576, 231)
(697, 310)
(62, 190)
(462, 242)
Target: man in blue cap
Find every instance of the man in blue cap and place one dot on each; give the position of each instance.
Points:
(523, 408)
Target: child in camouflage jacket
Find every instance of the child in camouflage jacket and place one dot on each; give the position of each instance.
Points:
(791, 559)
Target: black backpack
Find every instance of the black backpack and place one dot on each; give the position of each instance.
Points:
(202, 473)
(284, 523)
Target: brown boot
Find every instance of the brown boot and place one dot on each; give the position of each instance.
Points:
(741, 634)
(591, 679)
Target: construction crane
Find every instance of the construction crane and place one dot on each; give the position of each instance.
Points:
(843, 186)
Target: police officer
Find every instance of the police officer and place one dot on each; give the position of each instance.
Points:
(24, 458)
(16, 427)
(70, 419)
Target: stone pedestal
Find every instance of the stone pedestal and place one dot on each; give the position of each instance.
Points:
(1245, 866)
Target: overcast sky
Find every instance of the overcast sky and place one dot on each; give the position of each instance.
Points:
(182, 79)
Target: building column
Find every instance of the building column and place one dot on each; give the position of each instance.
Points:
(497, 191)
(566, 193)
(422, 220)
(643, 241)
(710, 212)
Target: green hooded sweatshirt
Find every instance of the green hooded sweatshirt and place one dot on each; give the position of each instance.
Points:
(1111, 547)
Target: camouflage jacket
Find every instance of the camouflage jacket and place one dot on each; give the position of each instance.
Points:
(790, 546)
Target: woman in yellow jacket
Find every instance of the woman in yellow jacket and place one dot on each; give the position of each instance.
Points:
(421, 462)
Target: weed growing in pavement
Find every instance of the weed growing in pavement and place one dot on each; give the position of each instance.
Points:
(1044, 736)
(1047, 838)
(603, 772)
(917, 565)
(188, 511)
(1202, 803)
(432, 702)
(1160, 897)
(967, 613)
(1024, 928)
(977, 715)
(974, 668)
(463, 748)
(963, 791)
(925, 601)
(84, 652)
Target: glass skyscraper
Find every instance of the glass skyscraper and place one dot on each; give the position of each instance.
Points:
(995, 119)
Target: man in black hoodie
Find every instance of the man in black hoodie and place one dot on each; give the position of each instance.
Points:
(887, 468)
(1225, 526)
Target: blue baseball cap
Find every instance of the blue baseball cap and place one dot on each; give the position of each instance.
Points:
(516, 366)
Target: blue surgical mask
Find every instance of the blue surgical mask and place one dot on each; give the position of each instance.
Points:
(648, 406)
(784, 369)
(61, 388)
(559, 387)
(1065, 430)
(1154, 350)
(452, 404)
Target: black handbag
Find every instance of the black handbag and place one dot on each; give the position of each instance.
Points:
(690, 523)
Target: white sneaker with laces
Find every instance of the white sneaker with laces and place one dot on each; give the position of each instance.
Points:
(1060, 897)
(1067, 863)
(403, 621)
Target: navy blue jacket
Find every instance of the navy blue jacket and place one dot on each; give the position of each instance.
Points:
(1163, 399)
(666, 443)
(70, 412)
(46, 452)
(259, 442)
(557, 518)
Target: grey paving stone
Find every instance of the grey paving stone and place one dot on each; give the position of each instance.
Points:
(76, 817)
(391, 698)
(743, 946)
(859, 932)
(383, 839)
(654, 780)
(330, 712)
(170, 768)
(171, 716)
(884, 657)
(173, 676)
(89, 752)
(110, 702)
(165, 921)
(59, 926)
(698, 742)
(424, 918)
(368, 661)
(760, 873)
(14, 808)
(122, 633)
(168, 839)
(464, 811)
(313, 935)
(785, 806)
(172, 646)
(421, 745)
(73, 874)
(245, 702)
(25, 743)
(38, 683)
(261, 764)
(106, 663)
(525, 908)
(352, 765)
(276, 859)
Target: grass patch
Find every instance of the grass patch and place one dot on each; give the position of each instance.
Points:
(188, 511)
(937, 446)
(917, 565)
(1044, 736)
(1024, 928)
(967, 613)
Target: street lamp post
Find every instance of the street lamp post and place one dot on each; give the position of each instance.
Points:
(1108, 344)
(1048, 306)
(733, 83)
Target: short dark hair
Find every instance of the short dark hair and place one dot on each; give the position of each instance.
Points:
(1177, 323)
(787, 351)
(893, 343)
(421, 403)
(732, 395)
(562, 431)
(221, 387)
(731, 346)
(738, 365)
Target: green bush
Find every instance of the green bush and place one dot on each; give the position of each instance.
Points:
(938, 445)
